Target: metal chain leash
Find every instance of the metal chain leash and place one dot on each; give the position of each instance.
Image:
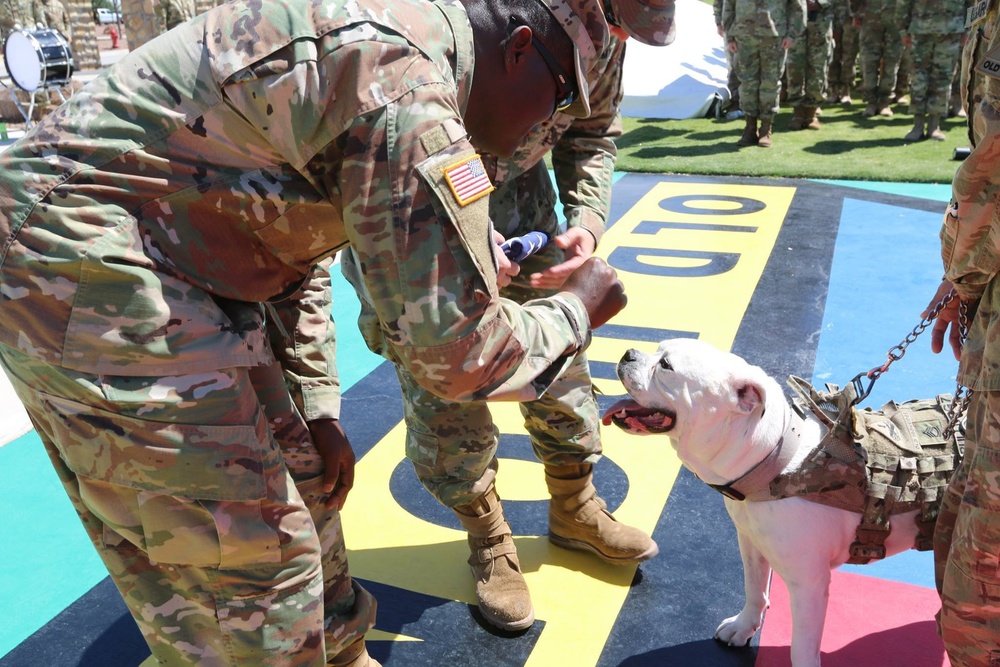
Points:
(962, 394)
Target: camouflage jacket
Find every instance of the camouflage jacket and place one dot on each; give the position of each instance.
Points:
(932, 17)
(221, 163)
(971, 224)
(764, 18)
(878, 8)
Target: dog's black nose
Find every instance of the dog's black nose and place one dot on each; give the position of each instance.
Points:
(630, 355)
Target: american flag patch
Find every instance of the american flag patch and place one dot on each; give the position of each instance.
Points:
(468, 180)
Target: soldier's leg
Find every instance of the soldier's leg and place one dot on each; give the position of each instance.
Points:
(772, 64)
(970, 595)
(184, 494)
(349, 609)
(849, 60)
(748, 68)
(870, 40)
(892, 51)
(941, 73)
(452, 447)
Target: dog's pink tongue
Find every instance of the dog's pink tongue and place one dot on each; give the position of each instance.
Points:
(624, 405)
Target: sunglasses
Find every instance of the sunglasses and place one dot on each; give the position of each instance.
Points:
(609, 15)
(565, 85)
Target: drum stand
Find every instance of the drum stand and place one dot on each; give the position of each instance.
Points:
(31, 100)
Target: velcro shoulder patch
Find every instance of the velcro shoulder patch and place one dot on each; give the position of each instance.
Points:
(468, 180)
(989, 64)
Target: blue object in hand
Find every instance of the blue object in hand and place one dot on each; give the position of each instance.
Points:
(521, 247)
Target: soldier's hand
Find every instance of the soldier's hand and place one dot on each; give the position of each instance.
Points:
(947, 322)
(732, 46)
(506, 268)
(338, 460)
(786, 43)
(578, 245)
(597, 285)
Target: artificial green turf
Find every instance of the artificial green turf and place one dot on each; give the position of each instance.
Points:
(848, 147)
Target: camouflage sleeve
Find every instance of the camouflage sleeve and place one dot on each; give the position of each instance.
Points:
(728, 15)
(427, 256)
(856, 8)
(717, 11)
(303, 339)
(584, 157)
(972, 222)
(904, 15)
(796, 19)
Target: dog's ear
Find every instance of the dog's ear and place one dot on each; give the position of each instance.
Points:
(749, 395)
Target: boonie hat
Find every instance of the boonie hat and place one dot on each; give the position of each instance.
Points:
(649, 21)
(587, 28)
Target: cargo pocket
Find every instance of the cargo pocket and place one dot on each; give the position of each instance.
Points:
(977, 528)
(186, 494)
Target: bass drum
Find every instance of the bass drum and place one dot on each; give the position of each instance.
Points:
(37, 58)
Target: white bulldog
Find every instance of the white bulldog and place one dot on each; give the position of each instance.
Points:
(724, 417)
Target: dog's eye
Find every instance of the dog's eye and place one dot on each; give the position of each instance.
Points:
(665, 365)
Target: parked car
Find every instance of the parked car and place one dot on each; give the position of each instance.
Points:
(105, 15)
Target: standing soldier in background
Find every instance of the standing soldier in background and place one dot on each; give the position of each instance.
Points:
(52, 14)
(844, 61)
(934, 29)
(733, 79)
(881, 49)
(808, 61)
(14, 13)
(171, 13)
(760, 32)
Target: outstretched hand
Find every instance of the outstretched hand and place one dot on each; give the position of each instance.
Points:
(578, 245)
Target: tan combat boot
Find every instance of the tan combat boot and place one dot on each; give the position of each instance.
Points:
(355, 655)
(884, 109)
(798, 119)
(764, 134)
(810, 121)
(501, 591)
(870, 110)
(749, 137)
(934, 129)
(579, 519)
(917, 133)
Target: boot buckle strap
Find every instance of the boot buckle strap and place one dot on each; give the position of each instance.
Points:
(490, 554)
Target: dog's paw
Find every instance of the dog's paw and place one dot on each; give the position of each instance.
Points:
(736, 631)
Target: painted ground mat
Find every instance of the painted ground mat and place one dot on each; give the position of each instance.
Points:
(817, 279)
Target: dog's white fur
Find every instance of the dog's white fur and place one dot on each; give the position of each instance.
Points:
(723, 416)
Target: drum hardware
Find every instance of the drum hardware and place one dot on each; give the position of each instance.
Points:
(37, 60)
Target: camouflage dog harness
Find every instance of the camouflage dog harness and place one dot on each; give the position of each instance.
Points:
(878, 463)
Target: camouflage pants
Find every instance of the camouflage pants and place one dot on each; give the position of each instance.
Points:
(844, 60)
(881, 49)
(808, 61)
(935, 58)
(453, 445)
(760, 62)
(967, 543)
(202, 495)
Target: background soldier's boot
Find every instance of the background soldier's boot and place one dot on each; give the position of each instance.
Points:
(917, 133)
(798, 118)
(579, 519)
(884, 109)
(809, 118)
(749, 137)
(502, 593)
(870, 110)
(934, 128)
(764, 134)
(355, 655)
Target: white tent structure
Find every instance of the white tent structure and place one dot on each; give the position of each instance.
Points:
(683, 79)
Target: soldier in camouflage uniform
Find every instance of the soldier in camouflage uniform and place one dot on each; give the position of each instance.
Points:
(453, 446)
(934, 27)
(881, 49)
(760, 32)
(980, 24)
(733, 78)
(844, 60)
(171, 13)
(808, 61)
(15, 13)
(146, 219)
(967, 535)
(52, 13)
